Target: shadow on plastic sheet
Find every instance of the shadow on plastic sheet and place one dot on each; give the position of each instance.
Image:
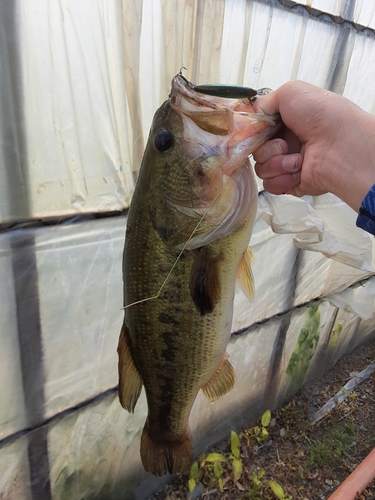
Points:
(272, 389)
(25, 273)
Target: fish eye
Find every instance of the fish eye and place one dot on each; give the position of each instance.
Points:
(163, 141)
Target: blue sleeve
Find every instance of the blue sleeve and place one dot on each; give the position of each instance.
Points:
(366, 216)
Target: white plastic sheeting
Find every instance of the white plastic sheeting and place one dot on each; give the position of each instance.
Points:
(80, 84)
(357, 299)
(334, 254)
(77, 276)
(82, 81)
(65, 124)
(326, 226)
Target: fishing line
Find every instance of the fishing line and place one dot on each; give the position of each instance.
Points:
(179, 255)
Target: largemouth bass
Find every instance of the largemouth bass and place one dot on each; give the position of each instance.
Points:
(186, 244)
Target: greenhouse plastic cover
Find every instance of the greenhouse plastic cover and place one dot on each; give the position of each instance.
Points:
(80, 85)
(84, 79)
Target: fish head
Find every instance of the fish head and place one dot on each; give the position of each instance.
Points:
(197, 161)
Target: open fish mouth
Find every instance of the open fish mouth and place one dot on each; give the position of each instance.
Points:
(228, 127)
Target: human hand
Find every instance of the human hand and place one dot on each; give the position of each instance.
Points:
(326, 145)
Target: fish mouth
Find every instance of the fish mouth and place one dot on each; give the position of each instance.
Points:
(220, 125)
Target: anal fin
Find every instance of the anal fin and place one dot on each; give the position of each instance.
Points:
(245, 277)
(221, 382)
(130, 382)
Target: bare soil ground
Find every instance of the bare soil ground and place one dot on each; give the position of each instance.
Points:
(307, 461)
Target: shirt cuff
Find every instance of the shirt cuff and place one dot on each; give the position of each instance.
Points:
(366, 215)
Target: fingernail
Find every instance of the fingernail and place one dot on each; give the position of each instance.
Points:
(274, 149)
(290, 162)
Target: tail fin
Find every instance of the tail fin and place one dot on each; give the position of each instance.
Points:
(163, 456)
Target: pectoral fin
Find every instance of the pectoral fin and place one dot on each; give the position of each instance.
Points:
(205, 281)
(245, 277)
(130, 382)
(221, 382)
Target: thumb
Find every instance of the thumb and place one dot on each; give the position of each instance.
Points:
(268, 104)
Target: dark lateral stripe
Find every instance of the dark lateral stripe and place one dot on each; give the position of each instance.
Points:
(165, 404)
(168, 319)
